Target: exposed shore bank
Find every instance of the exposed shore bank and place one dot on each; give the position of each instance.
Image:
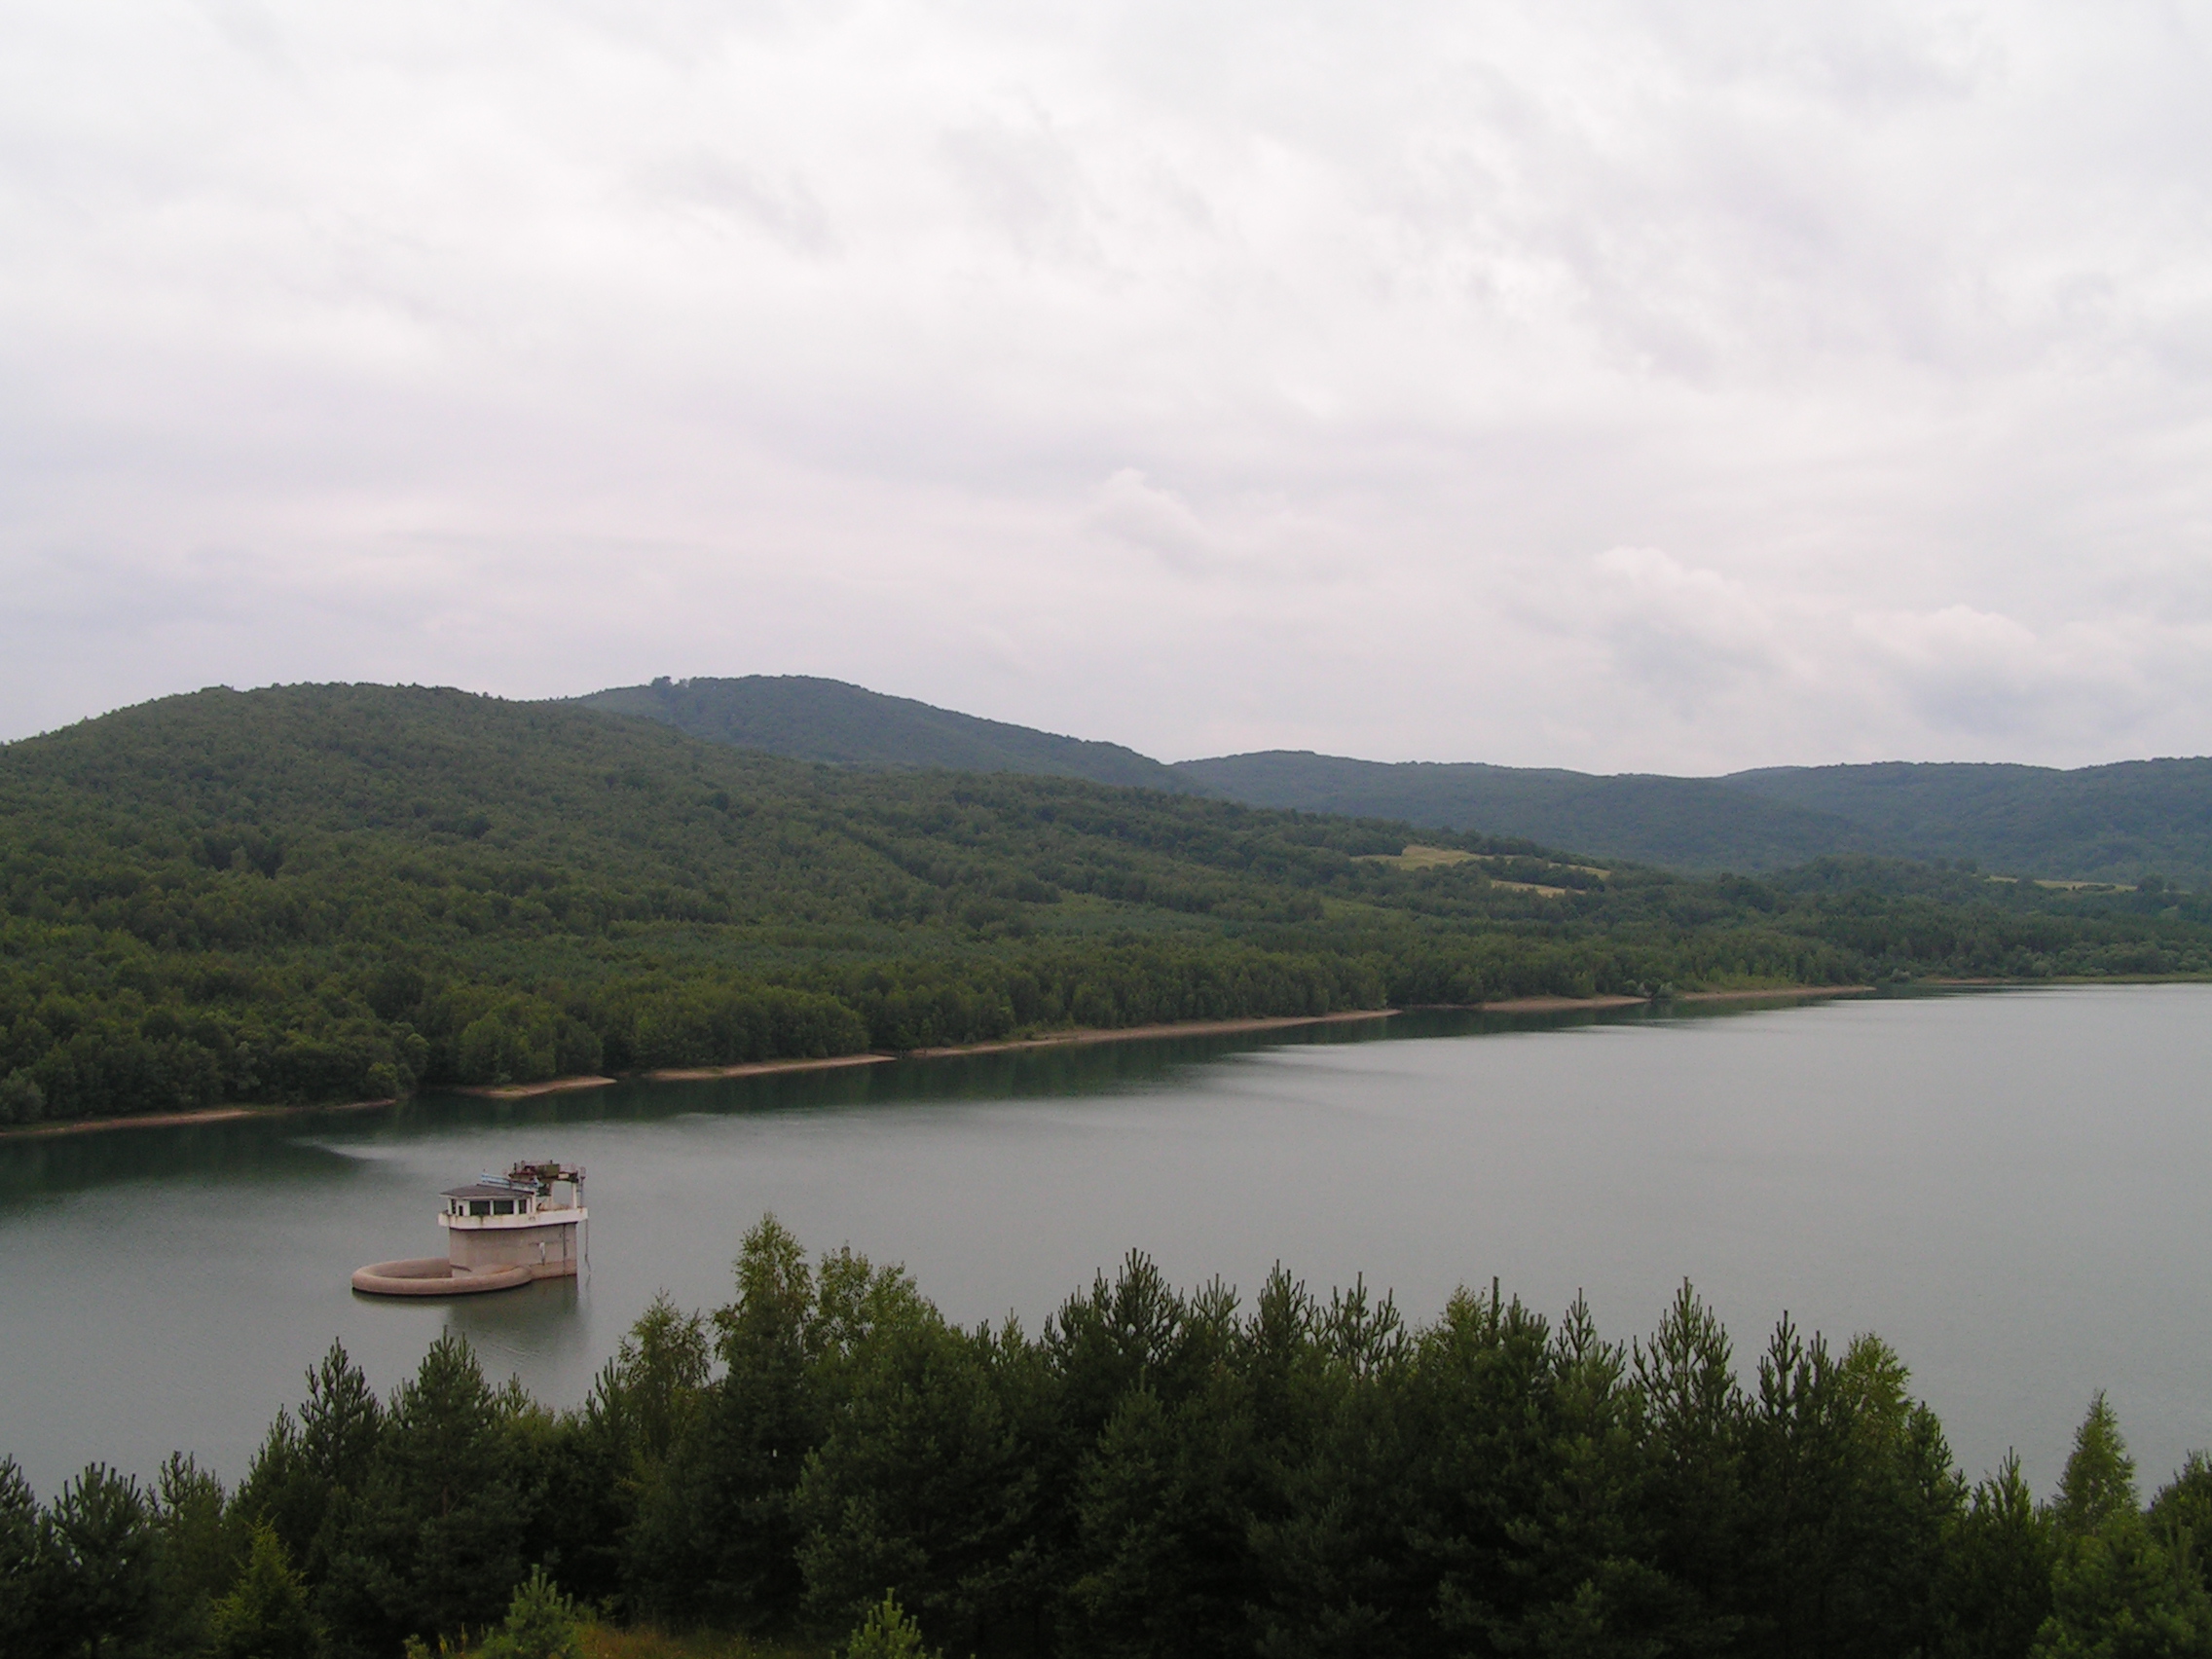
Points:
(1137, 1033)
(1576, 1004)
(177, 1120)
(1080, 1035)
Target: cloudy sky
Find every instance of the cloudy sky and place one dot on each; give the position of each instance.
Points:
(1625, 386)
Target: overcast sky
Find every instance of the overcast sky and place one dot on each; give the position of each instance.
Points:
(1625, 386)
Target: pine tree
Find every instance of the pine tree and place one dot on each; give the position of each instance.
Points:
(2099, 1482)
(196, 1550)
(18, 1560)
(266, 1615)
(887, 1633)
(1997, 1571)
(432, 1542)
(96, 1550)
(2117, 1590)
(716, 1538)
(541, 1623)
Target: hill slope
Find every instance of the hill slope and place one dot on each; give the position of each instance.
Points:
(328, 892)
(2108, 823)
(830, 720)
(2094, 824)
(1680, 823)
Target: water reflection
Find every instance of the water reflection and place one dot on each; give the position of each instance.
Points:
(308, 1147)
(1989, 1181)
(237, 1149)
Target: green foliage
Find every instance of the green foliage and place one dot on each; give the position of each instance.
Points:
(2106, 823)
(717, 1537)
(2113, 823)
(2117, 1592)
(2182, 1514)
(1682, 822)
(1997, 1592)
(541, 1623)
(432, 1540)
(2121, 1587)
(1155, 1472)
(94, 1578)
(196, 1549)
(325, 893)
(827, 719)
(887, 1633)
(22, 1100)
(20, 1612)
(267, 1615)
(306, 1469)
(2098, 1486)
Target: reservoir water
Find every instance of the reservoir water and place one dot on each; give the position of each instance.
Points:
(2012, 1187)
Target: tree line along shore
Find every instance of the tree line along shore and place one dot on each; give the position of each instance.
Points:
(1074, 1036)
(323, 894)
(825, 1464)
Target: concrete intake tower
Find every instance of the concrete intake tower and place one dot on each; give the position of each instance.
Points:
(502, 1232)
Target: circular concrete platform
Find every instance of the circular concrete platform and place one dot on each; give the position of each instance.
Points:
(434, 1275)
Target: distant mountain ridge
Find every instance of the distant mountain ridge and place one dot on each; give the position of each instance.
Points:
(806, 719)
(2115, 823)
(2102, 822)
(1680, 823)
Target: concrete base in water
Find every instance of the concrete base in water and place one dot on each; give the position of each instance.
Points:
(435, 1275)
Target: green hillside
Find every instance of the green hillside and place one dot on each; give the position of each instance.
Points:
(2104, 824)
(1680, 823)
(2095, 824)
(315, 892)
(827, 719)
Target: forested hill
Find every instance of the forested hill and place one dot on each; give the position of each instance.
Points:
(827, 720)
(1680, 823)
(2110, 824)
(2096, 822)
(315, 892)
(2105, 824)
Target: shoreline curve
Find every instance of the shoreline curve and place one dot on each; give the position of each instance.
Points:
(1077, 1037)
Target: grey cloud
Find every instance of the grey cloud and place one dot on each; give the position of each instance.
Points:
(732, 192)
(1131, 508)
(1627, 385)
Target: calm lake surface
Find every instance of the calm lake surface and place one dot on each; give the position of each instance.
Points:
(2012, 1188)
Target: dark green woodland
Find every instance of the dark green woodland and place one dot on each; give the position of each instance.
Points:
(806, 719)
(1155, 1472)
(2109, 824)
(331, 893)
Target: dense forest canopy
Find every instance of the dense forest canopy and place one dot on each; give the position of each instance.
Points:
(806, 719)
(1155, 1472)
(2099, 823)
(2106, 823)
(1698, 823)
(318, 893)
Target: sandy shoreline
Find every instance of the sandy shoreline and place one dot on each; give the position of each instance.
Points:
(1136, 1033)
(523, 1090)
(1547, 1005)
(1079, 1036)
(760, 1068)
(1777, 993)
(175, 1120)
(1573, 1005)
